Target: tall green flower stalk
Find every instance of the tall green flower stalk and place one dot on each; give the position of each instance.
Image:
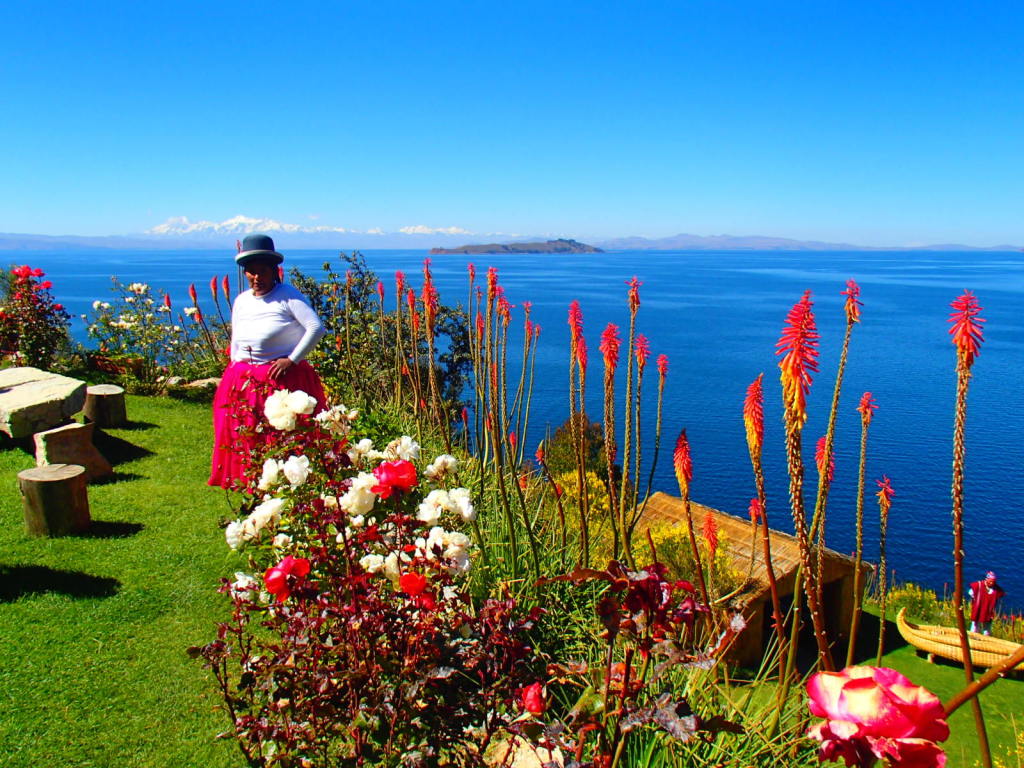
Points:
(577, 416)
(798, 347)
(400, 366)
(662, 366)
(866, 409)
(753, 423)
(627, 430)
(885, 494)
(609, 347)
(852, 308)
(967, 338)
(642, 352)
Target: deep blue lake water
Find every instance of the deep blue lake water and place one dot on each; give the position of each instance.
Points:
(717, 315)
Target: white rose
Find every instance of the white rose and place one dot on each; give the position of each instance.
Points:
(372, 563)
(299, 402)
(431, 508)
(404, 448)
(296, 469)
(282, 540)
(233, 534)
(441, 466)
(456, 542)
(278, 413)
(391, 566)
(243, 586)
(97, 304)
(359, 499)
(358, 521)
(462, 503)
(267, 513)
(360, 450)
(271, 474)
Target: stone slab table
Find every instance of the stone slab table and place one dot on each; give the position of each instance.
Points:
(33, 401)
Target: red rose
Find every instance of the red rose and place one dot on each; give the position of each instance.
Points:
(394, 476)
(276, 577)
(872, 713)
(532, 699)
(412, 583)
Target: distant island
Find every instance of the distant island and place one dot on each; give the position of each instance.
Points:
(548, 246)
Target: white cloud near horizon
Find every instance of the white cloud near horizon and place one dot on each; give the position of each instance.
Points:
(236, 225)
(420, 229)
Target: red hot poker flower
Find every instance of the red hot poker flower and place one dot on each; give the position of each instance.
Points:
(663, 365)
(492, 282)
(819, 460)
(380, 290)
(225, 286)
(710, 532)
(276, 577)
(634, 294)
(167, 300)
(581, 354)
(575, 323)
(192, 294)
(798, 346)
(471, 267)
(885, 492)
(394, 476)
(966, 328)
(642, 350)
(852, 305)
(238, 245)
(756, 511)
(866, 408)
(753, 415)
(399, 283)
(610, 346)
(682, 463)
(213, 288)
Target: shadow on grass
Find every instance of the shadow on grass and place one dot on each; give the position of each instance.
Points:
(110, 529)
(118, 477)
(116, 450)
(867, 639)
(20, 580)
(138, 426)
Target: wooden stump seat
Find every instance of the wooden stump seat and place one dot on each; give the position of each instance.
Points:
(55, 499)
(104, 405)
(72, 444)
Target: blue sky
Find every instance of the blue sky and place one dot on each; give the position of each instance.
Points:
(875, 123)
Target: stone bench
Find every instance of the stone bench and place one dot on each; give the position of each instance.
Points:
(33, 401)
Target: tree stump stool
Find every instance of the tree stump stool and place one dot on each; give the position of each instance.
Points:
(104, 405)
(72, 444)
(55, 499)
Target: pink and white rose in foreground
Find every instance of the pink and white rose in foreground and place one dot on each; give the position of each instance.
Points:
(874, 713)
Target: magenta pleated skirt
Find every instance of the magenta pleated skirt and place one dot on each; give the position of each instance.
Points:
(238, 403)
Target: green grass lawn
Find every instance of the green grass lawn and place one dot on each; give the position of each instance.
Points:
(93, 670)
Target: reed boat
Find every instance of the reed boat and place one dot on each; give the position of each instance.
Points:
(934, 640)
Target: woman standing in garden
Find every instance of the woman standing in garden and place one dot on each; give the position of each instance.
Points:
(273, 328)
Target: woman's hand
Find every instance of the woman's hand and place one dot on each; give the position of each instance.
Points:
(279, 366)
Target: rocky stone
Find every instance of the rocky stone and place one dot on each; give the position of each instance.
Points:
(210, 383)
(32, 400)
(72, 444)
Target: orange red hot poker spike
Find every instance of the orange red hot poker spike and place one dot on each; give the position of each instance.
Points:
(798, 347)
(966, 327)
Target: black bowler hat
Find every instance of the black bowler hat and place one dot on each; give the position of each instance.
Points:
(258, 248)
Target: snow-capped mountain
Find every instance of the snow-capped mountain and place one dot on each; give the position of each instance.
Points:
(236, 225)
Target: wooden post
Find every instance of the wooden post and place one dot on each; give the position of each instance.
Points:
(104, 405)
(55, 499)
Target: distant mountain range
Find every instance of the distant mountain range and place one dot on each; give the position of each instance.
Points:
(685, 242)
(180, 233)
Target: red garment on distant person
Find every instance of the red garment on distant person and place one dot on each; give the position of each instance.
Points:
(984, 606)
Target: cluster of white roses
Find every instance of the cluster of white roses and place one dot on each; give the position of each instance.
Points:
(282, 408)
(266, 514)
(450, 548)
(140, 289)
(439, 501)
(98, 305)
(295, 470)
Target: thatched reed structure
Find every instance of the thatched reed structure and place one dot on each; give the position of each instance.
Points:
(736, 535)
